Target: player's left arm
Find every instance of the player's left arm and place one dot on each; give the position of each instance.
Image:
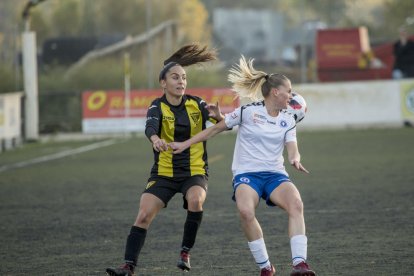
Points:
(294, 156)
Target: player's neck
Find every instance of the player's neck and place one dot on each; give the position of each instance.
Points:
(174, 100)
(271, 109)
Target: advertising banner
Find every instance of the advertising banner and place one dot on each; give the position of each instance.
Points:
(110, 112)
(407, 101)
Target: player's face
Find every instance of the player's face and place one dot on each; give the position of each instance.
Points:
(175, 82)
(284, 95)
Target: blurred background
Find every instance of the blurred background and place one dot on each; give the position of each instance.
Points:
(81, 45)
(72, 71)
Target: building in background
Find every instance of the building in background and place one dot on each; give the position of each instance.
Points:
(254, 33)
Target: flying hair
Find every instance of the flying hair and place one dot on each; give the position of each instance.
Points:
(247, 81)
(186, 56)
(191, 54)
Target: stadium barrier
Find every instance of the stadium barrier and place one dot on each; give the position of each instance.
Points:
(385, 103)
(10, 120)
(360, 104)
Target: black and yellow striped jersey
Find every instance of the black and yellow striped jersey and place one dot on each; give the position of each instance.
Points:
(178, 123)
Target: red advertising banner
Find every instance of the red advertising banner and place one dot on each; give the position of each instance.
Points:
(111, 104)
(341, 48)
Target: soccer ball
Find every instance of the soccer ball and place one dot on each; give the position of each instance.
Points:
(297, 107)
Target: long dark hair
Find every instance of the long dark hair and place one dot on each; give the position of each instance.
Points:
(188, 55)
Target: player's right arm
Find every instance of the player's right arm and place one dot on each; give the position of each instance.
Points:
(294, 156)
(152, 126)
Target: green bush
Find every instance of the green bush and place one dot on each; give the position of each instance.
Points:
(9, 81)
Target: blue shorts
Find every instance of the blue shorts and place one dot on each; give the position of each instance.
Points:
(262, 182)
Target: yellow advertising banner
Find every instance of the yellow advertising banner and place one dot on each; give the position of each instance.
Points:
(407, 101)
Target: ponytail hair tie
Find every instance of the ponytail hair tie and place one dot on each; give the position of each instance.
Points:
(266, 77)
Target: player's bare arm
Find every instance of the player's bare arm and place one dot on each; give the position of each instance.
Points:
(179, 147)
(294, 156)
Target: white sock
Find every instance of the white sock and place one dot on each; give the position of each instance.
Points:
(299, 247)
(259, 252)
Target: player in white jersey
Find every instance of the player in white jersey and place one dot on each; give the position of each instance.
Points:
(258, 169)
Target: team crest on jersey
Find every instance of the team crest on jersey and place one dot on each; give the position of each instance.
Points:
(195, 116)
(149, 184)
(283, 123)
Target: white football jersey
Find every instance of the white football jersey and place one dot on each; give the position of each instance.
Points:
(260, 138)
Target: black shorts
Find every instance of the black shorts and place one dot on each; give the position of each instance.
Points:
(166, 187)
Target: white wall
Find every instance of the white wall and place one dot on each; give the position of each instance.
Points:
(357, 104)
(10, 120)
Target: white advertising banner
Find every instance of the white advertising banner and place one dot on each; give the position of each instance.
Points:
(10, 112)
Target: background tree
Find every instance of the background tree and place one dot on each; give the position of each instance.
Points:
(194, 28)
(66, 18)
(55, 18)
(41, 25)
(120, 17)
(396, 14)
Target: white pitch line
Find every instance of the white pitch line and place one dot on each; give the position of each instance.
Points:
(57, 155)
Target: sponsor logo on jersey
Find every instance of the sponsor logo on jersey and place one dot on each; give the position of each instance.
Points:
(168, 118)
(152, 118)
(271, 122)
(283, 123)
(234, 116)
(259, 116)
(257, 121)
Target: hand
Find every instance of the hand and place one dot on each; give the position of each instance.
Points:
(177, 147)
(214, 112)
(159, 145)
(298, 166)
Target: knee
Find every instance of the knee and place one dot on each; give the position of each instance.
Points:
(144, 218)
(296, 207)
(195, 202)
(246, 214)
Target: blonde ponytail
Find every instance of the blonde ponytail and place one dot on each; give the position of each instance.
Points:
(247, 81)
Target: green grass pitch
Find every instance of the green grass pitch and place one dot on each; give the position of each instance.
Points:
(71, 216)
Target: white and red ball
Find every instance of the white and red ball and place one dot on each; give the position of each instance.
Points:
(297, 107)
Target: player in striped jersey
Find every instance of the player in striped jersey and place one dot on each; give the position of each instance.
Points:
(174, 117)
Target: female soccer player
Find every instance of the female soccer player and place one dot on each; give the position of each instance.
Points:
(174, 116)
(258, 170)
